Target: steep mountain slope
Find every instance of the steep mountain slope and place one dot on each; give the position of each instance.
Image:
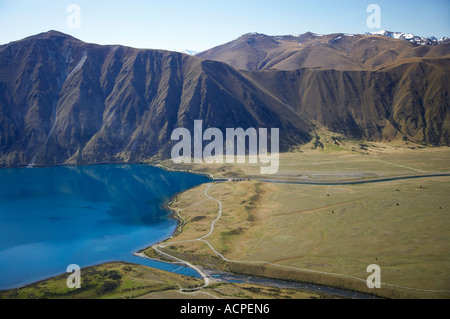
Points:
(411, 99)
(66, 101)
(373, 86)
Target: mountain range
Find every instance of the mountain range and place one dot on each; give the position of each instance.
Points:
(258, 52)
(414, 39)
(64, 101)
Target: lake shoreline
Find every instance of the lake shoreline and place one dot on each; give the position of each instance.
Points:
(308, 182)
(57, 214)
(172, 214)
(267, 281)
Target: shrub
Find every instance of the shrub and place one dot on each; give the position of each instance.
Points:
(108, 286)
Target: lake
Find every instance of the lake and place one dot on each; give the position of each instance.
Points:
(57, 216)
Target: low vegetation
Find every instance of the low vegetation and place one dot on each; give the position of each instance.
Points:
(112, 280)
(341, 229)
(120, 280)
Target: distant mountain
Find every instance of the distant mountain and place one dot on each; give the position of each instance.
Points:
(63, 101)
(414, 39)
(256, 52)
(190, 52)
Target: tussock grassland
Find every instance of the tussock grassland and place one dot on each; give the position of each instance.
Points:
(403, 226)
(341, 159)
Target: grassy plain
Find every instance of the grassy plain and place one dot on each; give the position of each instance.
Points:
(329, 234)
(351, 160)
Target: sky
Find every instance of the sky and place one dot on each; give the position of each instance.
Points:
(198, 25)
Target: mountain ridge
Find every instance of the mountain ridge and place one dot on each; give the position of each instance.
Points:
(88, 103)
(414, 39)
(257, 51)
(64, 101)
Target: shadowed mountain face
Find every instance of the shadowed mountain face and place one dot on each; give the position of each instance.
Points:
(63, 101)
(408, 100)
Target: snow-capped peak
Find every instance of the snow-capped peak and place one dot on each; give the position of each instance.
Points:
(410, 37)
(190, 52)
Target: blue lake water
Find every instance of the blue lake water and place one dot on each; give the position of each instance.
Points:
(54, 217)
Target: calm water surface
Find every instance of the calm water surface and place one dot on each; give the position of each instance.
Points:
(53, 217)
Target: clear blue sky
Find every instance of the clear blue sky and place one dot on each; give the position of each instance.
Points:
(201, 24)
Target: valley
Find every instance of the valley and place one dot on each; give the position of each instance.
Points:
(363, 170)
